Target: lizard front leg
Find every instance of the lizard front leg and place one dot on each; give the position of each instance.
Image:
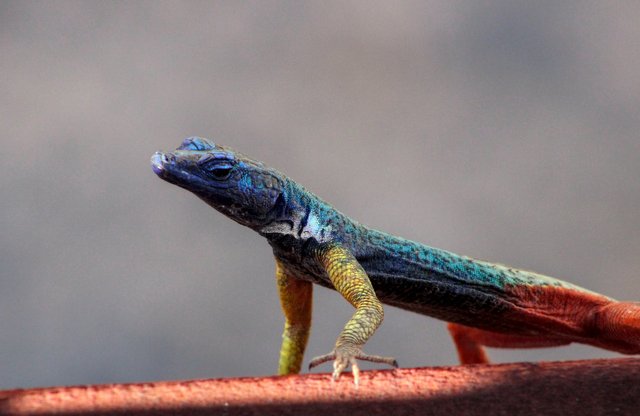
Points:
(351, 281)
(295, 299)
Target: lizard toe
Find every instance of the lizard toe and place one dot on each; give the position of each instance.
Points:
(321, 359)
(345, 356)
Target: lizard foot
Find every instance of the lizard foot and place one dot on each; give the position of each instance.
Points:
(345, 355)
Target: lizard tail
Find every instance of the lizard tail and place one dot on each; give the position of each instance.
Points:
(618, 325)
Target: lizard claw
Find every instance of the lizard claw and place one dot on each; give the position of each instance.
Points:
(345, 356)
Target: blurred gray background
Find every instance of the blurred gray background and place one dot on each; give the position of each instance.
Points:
(504, 130)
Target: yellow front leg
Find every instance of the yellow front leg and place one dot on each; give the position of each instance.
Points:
(295, 299)
(351, 281)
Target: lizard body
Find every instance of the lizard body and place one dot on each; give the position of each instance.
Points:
(485, 303)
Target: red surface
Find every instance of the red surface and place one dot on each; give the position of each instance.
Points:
(595, 387)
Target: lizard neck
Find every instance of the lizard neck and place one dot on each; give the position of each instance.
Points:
(301, 218)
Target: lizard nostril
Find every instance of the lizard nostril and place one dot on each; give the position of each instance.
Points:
(160, 160)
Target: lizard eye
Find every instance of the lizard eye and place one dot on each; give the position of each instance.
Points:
(218, 171)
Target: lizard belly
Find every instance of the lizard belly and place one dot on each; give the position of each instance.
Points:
(447, 301)
(522, 310)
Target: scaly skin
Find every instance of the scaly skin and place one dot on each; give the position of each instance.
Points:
(486, 304)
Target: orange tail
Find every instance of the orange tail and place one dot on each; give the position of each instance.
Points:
(617, 326)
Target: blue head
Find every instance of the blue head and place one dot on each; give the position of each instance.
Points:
(241, 188)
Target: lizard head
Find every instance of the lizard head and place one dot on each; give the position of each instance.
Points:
(241, 188)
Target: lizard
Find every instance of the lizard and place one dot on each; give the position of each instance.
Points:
(485, 304)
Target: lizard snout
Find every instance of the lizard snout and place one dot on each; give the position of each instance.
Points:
(158, 161)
